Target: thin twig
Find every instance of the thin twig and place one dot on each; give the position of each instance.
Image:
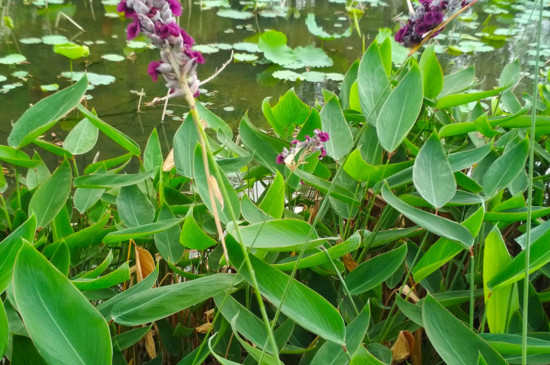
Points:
(218, 71)
(69, 19)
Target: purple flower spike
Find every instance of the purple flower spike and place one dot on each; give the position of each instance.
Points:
(401, 33)
(122, 7)
(280, 159)
(133, 29)
(152, 70)
(187, 39)
(323, 153)
(323, 136)
(175, 6)
(197, 56)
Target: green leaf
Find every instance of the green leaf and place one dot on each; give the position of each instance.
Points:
(44, 114)
(373, 83)
(433, 223)
(134, 208)
(287, 113)
(505, 168)
(61, 258)
(252, 351)
(334, 123)
(140, 231)
(510, 74)
(510, 347)
(445, 249)
(364, 357)
(458, 81)
(463, 160)
(52, 195)
(153, 304)
(167, 242)
(399, 112)
(61, 329)
(333, 354)
(84, 199)
(71, 50)
(374, 271)
(310, 56)
(17, 157)
(320, 258)
(192, 236)
(359, 169)
(432, 74)
(101, 181)
(152, 156)
(117, 136)
(349, 80)
(265, 148)
(320, 33)
(277, 235)
(24, 351)
(461, 99)
(273, 202)
(303, 305)
(129, 338)
(432, 174)
(501, 303)
(120, 275)
(273, 44)
(82, 138)
(185, 141)
(452, 339)
(4, 330)
(88, 236)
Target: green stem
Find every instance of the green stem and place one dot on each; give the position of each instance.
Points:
(530, 193)
(344, 286)
(472, 288)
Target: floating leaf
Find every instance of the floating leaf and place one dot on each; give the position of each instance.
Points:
(71, 50)
(113, 57)
(12, 59)
(273, 44)
(319, 32)
(234, 14)
(49, 87)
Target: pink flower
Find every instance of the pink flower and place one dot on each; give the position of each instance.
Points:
(175, 6)
(152, 70)
(133, 29)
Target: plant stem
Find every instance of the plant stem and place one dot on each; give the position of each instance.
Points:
(472, 288)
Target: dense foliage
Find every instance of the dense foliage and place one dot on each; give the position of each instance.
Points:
(383, 224)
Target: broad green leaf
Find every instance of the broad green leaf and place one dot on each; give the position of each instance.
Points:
(445, 249)
(61, 258)
(134, 208)
(461, 99)
(192, 236)
(37, 175)
(84, 199)
(53, 148)
(324, 186)
(364, 357)
(98, 270)
(52, 195)
(61, 329)
(101, 181)
(140, 231)
(510, 347)
(303, 305)
(505, 168)
(287, 113)
(374, 271)
(433, 223)
(213, 121)
(17, 157)
(251, 213)
(359, 169)
(103, 165)
(152, 156)
(320, 33)
(185, 141)
(24, 351)
(311, 56)
(10, 246)
(227, 208)
(153, 304)
(465, 159)
(345, 89)
(399, 112)
(334, 123)
(277, 235)
(71, 50)
(432, 74)
(129, 338)
(167, 242)
(373, 83)
(117, 136)
(458, 81)
(106, 307)
(273, 44)
(91, 235)
(273, 202)
(452, 339)
(515, 269)
(118, 276)
(333, 354)
(432, 174)
(252, 351)
(44, 114)
(320, 258)
(264, 147)
(4, 330)
(82, 138)
(501, 303)
(510, 74)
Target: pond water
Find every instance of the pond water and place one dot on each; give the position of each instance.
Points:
(489, 36)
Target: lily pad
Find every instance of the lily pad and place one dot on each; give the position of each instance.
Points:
(234, 14)
(3, 78)
(137, 44)
(245, 57)
(20, 74)
(54, 39)
(319, 32)
(246, 47)
(49, 87)
(313, 57)
(71, 50)
(207, 4)
(12, 59)
(113, 57)
(50, 2)
(31, 40)
(206, 48)
(93, 78)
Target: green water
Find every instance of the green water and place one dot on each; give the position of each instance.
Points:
(494, 33)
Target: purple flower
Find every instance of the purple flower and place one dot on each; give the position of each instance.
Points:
(425, 2)
(323, 153)
(152, 70)
(195, 55)
(401, 33)
(175, 6)
(187, 39)
(280, 158)
(421, 28)
(166, 30)
(323, 136)
(133, 29)
(122, 7)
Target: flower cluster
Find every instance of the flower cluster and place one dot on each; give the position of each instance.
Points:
(156, 19)
(310, 145)
(426, 18)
